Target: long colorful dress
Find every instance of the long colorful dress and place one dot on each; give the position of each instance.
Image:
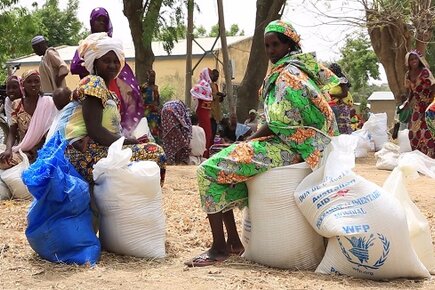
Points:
(151, 99)
(75, 130)
(298, 114)
(202, 93)
(430, 119)
(176, 132)
(342, 108)
(421, 97)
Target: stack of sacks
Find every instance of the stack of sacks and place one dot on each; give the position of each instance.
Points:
(366, 225)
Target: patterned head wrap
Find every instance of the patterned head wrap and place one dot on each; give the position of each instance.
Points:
(420, 58)
(100, 11)
(18, 80)
(29, 73)
(202, 90)
(285, 28)
(95, 46)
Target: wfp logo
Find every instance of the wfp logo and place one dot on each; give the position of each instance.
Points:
(360, 251)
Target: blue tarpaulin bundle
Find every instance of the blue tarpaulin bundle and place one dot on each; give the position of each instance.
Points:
(59, 219)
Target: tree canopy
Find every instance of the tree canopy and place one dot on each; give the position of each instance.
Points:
(61, 27)
(360, 63)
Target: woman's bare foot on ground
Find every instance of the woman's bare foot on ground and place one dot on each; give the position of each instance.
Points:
(207, 258)
(235, 249)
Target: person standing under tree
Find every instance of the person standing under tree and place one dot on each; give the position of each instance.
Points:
(52, 68)
(218, 98)
(151, 97)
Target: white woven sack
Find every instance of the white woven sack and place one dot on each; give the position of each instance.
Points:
(366, 226)
(275, 233)
(129, 199)
(403, 141)
(5, 194)
(12, 178)
(419, 231)
(377, 127)
(363, 145)
(387, 158)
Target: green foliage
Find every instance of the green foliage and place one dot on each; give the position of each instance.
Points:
(170, 23)
(359, 62)
(62, 27)
(167, 93)
(199, 31)
(19, 25)
(7, 3)
(17, 22)
(234, 31)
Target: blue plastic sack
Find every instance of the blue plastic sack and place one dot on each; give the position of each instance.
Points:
(59, 219)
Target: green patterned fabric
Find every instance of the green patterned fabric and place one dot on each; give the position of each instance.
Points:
(298, 114)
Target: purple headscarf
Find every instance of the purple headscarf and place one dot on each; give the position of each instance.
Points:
(130, 120)
(100, 11)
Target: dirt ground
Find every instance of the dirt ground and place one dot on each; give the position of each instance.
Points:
(187, 235)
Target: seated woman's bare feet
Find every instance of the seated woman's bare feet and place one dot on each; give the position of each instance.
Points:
(235, 249)
(207, 258)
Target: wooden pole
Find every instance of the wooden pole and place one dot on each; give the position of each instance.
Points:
(226, 58)
(189, 36)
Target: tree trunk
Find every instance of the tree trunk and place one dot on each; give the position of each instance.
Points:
(142, 29)
(390, 43)
(247, 96)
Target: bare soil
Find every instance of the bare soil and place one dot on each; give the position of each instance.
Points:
(187, 235)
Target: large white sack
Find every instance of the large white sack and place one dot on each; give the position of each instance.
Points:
(403, 141)
(143, 129)
(129, 200)
(377, 126)
(275, 233)
(419, 230)
(12, 178)
(363, 145)
(387, 158)
(366, 226)
(5, 193)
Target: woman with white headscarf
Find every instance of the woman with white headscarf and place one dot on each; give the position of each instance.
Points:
(95, 123)
(202, 94)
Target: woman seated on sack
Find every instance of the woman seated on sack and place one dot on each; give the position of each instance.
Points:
(125, 86)
(97, 118)
(31, 118)
(299, 125)
(176, 132)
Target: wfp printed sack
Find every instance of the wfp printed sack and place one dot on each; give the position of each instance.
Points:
(403, 141)
(12, 178)
(387, 157)
(377, 127)
(366, 226)
(129, 200)
(59, 221)
(275, 233)
(419, 231)
(363, 145)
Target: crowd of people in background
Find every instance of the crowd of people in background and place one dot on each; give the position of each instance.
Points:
(305, 103)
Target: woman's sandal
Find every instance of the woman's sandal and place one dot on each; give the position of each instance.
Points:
(203, 260)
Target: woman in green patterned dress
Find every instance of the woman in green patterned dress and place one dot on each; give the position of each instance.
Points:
(299, 125)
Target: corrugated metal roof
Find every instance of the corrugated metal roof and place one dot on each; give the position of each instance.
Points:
(67, 52)
(381, 96)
